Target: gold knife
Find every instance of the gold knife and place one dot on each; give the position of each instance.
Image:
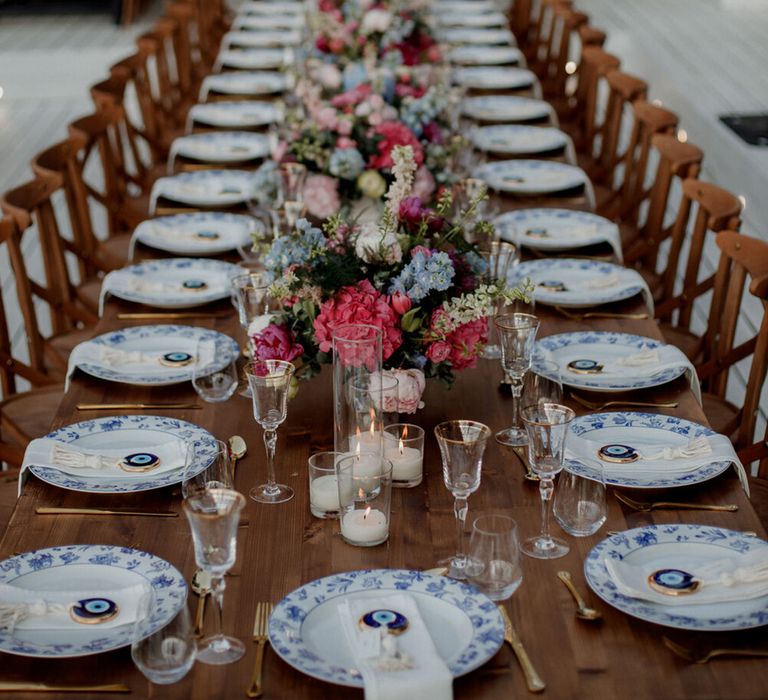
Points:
(26, 687)
(153, 316)
(123, 406)
(532, 679)
(46, 510)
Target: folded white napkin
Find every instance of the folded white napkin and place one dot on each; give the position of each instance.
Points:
(285, 21)
(206, 193)
(602, 282)
(272, 37)
(740, 577)
(395, 668)
(23, 609)
(254, 112)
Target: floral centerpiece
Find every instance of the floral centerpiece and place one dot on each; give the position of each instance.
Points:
(413, 275)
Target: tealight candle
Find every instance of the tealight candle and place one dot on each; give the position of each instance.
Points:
(323, 485)
(404, 447)
(364, 499)
(365, 527)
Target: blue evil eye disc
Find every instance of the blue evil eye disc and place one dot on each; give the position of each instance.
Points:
(140, 462)
(618, 453)
(176, 359)
(536, 233)
(673, 582)
(208, 235)
(552, 285)
(585, 366)
(194, 285)
(393, 621)
(93, 611)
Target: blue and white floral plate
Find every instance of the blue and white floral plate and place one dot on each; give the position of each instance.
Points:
(205, 188)
(494, 77)
(246, 82)
(530, 176)
(252, 59)
(606, 348)
(270, 37)
(517, 139)
(576, 283)
(465, 6)
(465, 625)
(257, 7)
(505, 108)
(89, 567)
(474, 19)
(131, 432)
(221, 147)
(197, 233)
(674, 546)
(637, 430)
(486, 55)
(481, 35)
(236, 114)
(288, 20)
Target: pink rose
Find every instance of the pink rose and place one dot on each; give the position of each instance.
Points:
(423, 184)
(467, 341)
(401, 303)
(321, 196)
(275, 343)
(439, 351)
(410, 387)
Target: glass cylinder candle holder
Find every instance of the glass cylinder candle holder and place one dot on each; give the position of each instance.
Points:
(365, 494)
(324, 485)
(404, 447)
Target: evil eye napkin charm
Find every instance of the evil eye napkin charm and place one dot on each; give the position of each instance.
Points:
(673, 582)
(93, 611)
(194, 285)
(207, 235)
(393, 621)
(585, 367)
(618, 454)
(176, 359)
(536, 233)
(139, 462)
(552, 286)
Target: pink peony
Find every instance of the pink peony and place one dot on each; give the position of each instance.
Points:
(410, 387)
(321, 196)
(423, 184)
(439, 351)
(275, 343)
(394, 134)
(467, 341)
(326, 118)
(358, 304)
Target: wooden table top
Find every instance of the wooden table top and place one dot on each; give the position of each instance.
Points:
(283, 546)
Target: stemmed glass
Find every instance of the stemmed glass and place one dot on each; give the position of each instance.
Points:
(499, 256)
(218, 473)
(547, 425)
(543, 383)
(250, 295)
(213, 517)
(462, 444)
(270, 382)
(517, 334)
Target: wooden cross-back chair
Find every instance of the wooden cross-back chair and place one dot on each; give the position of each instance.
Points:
(551, 66)
(541, 31)
(193, 62)
(591, 36)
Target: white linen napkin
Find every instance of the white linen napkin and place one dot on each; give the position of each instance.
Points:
(741, 577)
(172, 187)
(258, 112)
(291, 37)
(212, 151)
(602, 282)
(376, 659)
(24, 609)
(659, 460)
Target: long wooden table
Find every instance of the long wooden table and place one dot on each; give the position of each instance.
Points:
(283, 546)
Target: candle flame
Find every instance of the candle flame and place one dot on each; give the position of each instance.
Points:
(402, 449)
(405, 432)
(357, 449)
(367, 512)
(373, 422)
(360, 495)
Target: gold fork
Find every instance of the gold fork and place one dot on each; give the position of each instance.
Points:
(599, 314)
(511, 637)
(646, 507)
(597, 406)
(521, 453)
(260, 625)
(701, 657)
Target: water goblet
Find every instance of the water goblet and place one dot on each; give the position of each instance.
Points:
(250, 296)
(493, 563)
(543, 383)
(213, 517)
(211, 381)
(517, 334)
(217, 474)
(499, 256)
(165, 655)
(579, 506)
(462, 445)
(270, 382)
(547, 425)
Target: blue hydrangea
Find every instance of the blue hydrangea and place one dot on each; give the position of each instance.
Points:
(422, 110)
(423, 275)
(476, 263)
(346, 163)
(296, 248)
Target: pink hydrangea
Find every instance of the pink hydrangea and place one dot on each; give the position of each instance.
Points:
(467, 343)
(276, 343)
(321, 196)
(394, 134)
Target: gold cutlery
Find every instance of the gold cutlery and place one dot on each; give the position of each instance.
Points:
(599, 314)
(168, 316)
(45, 510)
(583, 611)
(646, 507)
(597, 406)
(130, 406)
(260, 625)
(437, 571)
(237, 450)
(523, 457)
(511, 637)
(26, 687)
(201, 585)
(701, 657)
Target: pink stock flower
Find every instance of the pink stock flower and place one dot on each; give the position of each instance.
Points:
(321, 196)
(276, 343)
(394, 134)
(467, 343)
(358, 304)
(423, 184)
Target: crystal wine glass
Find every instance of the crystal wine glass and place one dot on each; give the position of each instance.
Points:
(211, 381)
(499, 256)
(270, 382)
(250, 295)
(547, 425)
(517, 334)
(462, 445)
(213, 517)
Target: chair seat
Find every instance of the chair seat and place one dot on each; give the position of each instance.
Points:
(33, 411)
(88, 293)
(63, 345)
(112, 254)
(688, 342)
(722, 415)
(758, 489)
(133, 210)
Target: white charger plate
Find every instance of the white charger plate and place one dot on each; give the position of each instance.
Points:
(576, 275)
(465, 625)
(505, 108)
(256, 7)
(261, 22)
(517, 139)
(271, 37)
(253, 59)
(485, 55)
(205, 188)
(674, 546)
(471, 19)
(465, 6)
(221, 147)
(246, 82)
(481, 35)
(494, 77)
(89, 567)
(235, 114)
(530, 176)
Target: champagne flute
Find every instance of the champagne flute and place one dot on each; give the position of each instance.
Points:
(270, 382)
(462, 445)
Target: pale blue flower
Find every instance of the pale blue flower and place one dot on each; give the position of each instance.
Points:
(346, 163)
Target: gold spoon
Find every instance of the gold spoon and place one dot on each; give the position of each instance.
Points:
(201, 585)
(237, 450)
(583, 611)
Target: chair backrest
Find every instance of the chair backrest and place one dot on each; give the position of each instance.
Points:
(591, 36)
(551, 65)
(594, 65)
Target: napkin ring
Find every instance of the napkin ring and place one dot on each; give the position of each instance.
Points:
(585, 367)
(93, 611)
(176, 359)
(395, 623)
(139, 462)
(618, 454)
(194, 285)
(673, 582)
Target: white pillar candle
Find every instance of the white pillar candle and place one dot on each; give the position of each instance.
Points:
(324, 493)
(407, 462)
(364, 526)
(365, 442)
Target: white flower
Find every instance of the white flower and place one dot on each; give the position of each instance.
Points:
(374, 245)
(376, 21)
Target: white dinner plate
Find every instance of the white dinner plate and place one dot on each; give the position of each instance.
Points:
(465, 625)
(89, 567)
(205, 188)
(257, 7)
(246, 82)
(271, 37)
(674, 546)
(494, 77)
(221, 147)
(530, 176)
(262, 22)
(485, 55)
(474, 19)
(465, 6)
(253, 59)
(236, 114)
(505, 108)
(481, 35)
(585, 282)
(132, 433)
(517, 139)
